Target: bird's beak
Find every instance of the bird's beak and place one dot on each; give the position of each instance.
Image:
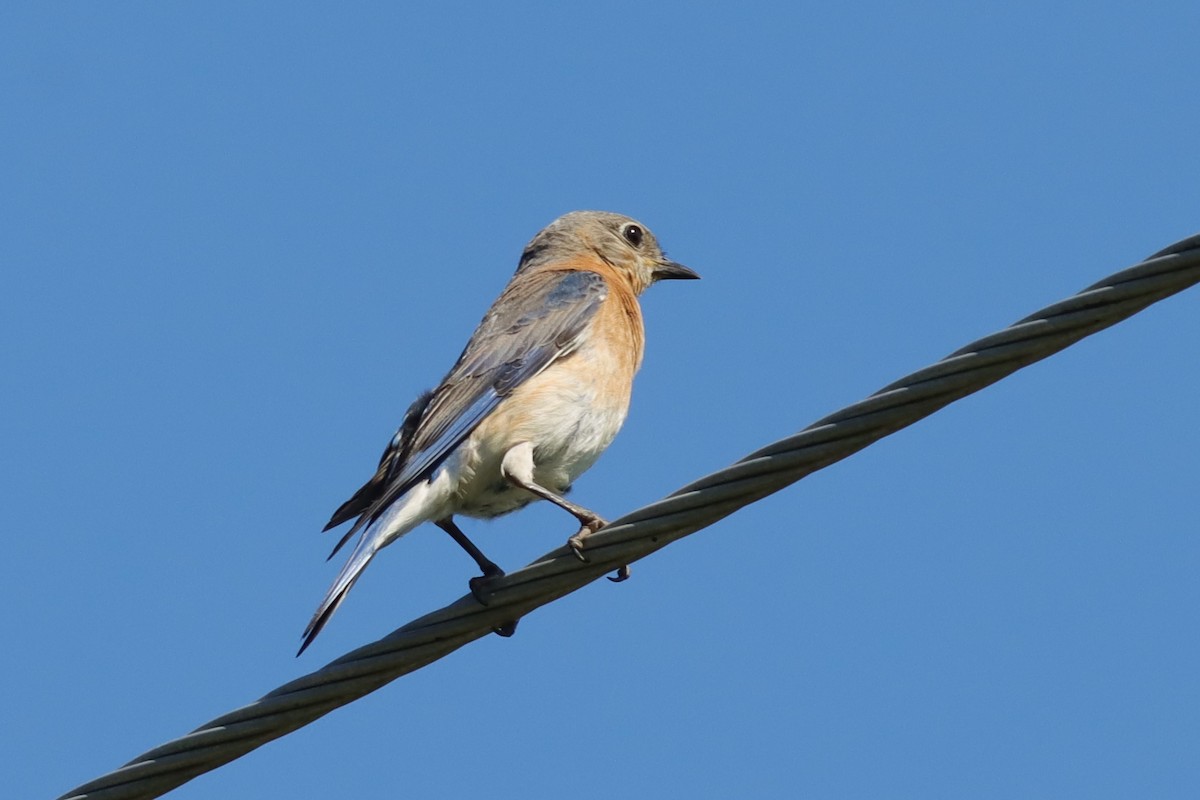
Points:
(673, 270)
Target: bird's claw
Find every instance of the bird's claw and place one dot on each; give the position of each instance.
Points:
(586, 529)
(478, 586)
(479, 583)
(576, 545)
(622, 574)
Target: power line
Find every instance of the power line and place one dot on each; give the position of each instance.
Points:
(648, 529)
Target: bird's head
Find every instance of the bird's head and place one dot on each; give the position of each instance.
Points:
(623, 243)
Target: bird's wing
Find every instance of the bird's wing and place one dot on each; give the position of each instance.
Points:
(392, 458)
(540, 317)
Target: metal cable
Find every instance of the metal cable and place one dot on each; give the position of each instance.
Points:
(652, 527)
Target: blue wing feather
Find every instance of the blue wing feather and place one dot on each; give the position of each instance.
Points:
(539, 318)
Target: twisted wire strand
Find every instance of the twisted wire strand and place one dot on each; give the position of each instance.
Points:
(648, 529)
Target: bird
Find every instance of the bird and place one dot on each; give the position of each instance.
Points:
(539, 392)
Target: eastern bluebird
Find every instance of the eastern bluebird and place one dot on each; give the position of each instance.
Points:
(540, 391)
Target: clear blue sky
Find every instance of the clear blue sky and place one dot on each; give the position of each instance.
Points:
(239, 238)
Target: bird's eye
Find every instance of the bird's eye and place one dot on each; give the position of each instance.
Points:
(633, 234)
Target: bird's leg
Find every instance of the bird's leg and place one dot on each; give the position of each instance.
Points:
(486, 565)
(489, 568)
(517, 468)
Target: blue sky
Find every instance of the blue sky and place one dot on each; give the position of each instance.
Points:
(239, 238)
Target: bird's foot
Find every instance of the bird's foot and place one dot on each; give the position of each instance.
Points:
(479, 584)
(479, 591)
(589, 526)
(622, 574)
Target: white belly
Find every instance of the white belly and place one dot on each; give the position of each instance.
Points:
(568, 418)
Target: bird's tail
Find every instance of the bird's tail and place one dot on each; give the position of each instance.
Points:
(362, 555)
(403, 515)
